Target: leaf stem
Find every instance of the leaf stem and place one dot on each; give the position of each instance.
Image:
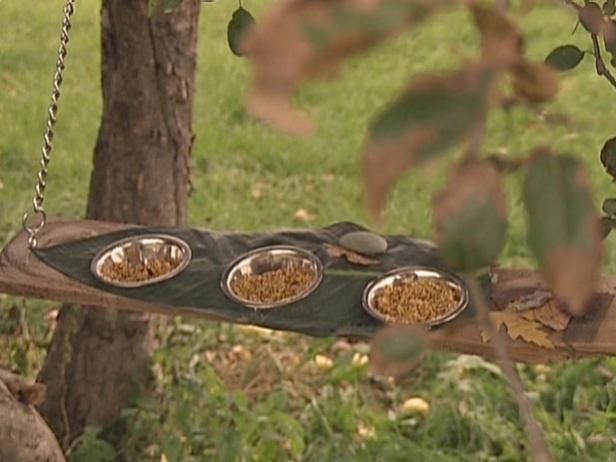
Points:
(538, 447)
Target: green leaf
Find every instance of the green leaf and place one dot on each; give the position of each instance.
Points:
(563, 227)
(240, 24)
(92, 449)
(565, 57)
(608, 157)
(395, 351)
(432, 115)
(304, 40)
(470, 216)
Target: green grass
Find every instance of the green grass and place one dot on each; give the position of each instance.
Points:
(215, 401)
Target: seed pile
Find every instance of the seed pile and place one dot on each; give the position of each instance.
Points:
(124, 271)
(411, 301)
(273, 286)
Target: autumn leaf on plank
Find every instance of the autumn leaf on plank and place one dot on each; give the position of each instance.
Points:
(350, 256)
(518, 327)
(435, 113)
(563, 227)
(549, 315)
(299, 40)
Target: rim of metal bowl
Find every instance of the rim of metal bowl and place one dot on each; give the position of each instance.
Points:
(102, 254)
(451, 278)
(225, 282)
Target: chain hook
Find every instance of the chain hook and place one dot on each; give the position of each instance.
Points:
(39, 189)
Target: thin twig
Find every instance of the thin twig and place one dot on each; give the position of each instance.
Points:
(538, 447)
(572, 4)
(600, 64)
(602, 69)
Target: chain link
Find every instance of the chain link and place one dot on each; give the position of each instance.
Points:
(39, 189)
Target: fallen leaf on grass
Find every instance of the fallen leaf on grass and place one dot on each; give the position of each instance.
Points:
(257, 190)
(519, 327)
(350, 256)
(304, 215)
(415, 406)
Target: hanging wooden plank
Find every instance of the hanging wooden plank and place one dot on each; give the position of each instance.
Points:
(22, 274)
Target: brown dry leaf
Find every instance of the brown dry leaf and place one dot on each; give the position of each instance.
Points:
(384, 163)
(434, 113)
(550, 315)
(572, 273)
(518, 327)
(470, 216)
(563, 227)
(350, 256)
(298, 40)
(591, 17)
(535, 82)
(501, 43)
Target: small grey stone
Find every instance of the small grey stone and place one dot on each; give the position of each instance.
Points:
(364, 242)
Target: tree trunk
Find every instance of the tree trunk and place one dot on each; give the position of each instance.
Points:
(141, 175)
(24, 436)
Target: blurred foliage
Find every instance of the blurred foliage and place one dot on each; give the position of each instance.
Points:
(222, 393)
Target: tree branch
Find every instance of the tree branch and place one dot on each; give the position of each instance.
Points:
(538, 446)
(600, 66)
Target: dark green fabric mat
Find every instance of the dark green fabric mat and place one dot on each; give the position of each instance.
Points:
(333, 309)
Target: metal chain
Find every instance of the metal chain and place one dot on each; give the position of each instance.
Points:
(37, 201)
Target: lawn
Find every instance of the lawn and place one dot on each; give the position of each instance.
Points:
(224, 393)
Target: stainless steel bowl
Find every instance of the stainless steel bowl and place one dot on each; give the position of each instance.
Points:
(267, 259)
(142, 249)
(415, 272)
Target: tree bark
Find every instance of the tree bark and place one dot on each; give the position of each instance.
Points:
(24, 435)
(141, 175)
